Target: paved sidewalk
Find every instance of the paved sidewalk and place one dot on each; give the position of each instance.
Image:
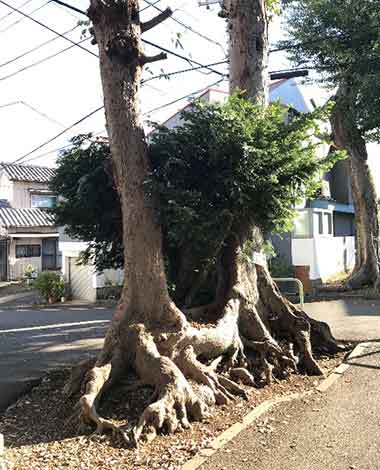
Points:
(335, 430)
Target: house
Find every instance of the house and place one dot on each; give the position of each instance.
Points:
(27, 232)
(322, 243)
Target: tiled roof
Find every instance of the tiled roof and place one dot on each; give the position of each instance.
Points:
(25, 218)
(18, 172)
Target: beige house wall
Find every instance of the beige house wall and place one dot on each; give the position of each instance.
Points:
(22, 191)
(17, 265)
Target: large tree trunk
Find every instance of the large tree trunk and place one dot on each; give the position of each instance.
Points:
(253, 326)
(249, 47)
(347, 137)
(248, 30)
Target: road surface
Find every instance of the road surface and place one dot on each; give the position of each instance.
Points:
(33, 341)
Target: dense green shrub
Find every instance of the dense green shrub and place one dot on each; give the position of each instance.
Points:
(50, 285)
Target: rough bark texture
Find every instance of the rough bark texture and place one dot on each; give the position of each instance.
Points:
(248, 28)
(248, 334)
(347, 137)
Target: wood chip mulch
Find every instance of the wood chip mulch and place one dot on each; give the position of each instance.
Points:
(38, 437)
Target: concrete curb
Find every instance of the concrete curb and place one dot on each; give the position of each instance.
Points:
(341, 369)
(226, 436)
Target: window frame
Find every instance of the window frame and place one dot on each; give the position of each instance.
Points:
(50, 196)
(29, 251)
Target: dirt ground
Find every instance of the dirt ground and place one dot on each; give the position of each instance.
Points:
(39, 436)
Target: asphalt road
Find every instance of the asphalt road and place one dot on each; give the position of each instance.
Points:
(336, 430)
(350, 319)
(33, 341)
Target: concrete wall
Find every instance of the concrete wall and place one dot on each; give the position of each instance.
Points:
(325, 256)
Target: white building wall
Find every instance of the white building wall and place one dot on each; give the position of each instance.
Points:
(6, 187)
(325, 256)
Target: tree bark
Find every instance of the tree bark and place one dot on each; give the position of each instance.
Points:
(347, 136)
(249, 48)
(252, 325)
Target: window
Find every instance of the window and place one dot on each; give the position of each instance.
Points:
(302, 225)
(28, 251)
(319, 217)
(323, 224)
(42, 201)
(328, 220)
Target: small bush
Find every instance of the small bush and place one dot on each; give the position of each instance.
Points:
(50, 285)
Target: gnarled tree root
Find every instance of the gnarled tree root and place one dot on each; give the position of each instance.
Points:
(265, 331)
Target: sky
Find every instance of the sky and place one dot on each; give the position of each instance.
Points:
(40, 96)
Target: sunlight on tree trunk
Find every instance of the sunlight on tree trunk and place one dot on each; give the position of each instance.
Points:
(347, 137)
(148, 333)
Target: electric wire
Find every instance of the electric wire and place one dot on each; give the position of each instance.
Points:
(47, 27)
(34, 49)
(14, 10)
(41, 61)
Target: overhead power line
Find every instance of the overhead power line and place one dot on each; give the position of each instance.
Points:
(47, 27)
(20, 19)
(27, 105)
(52, 139)
(184, 25)
(150, 5)
(168, 51)
(189, 95)
(41, 61)
(59, 149)
(12, 12)
(24, 54)
(180, 56)
(76, 123)
(169, 74)
(68, 6)
(285, 74)
(82, 12)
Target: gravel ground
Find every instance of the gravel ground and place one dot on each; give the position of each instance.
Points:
(38, 435)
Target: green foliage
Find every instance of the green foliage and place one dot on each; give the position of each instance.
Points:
(50, 285)
(233, 165)
(89, 206)
(279, 267)
(226, 167)
(341, 40)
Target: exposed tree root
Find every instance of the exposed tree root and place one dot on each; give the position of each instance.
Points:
(258, 335)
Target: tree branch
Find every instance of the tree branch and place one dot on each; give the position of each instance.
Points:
(148, 59)
(156, 20)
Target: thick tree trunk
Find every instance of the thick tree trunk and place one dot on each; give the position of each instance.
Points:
(253, 326)
(248, 28)
(347, 137)
(145, 288)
